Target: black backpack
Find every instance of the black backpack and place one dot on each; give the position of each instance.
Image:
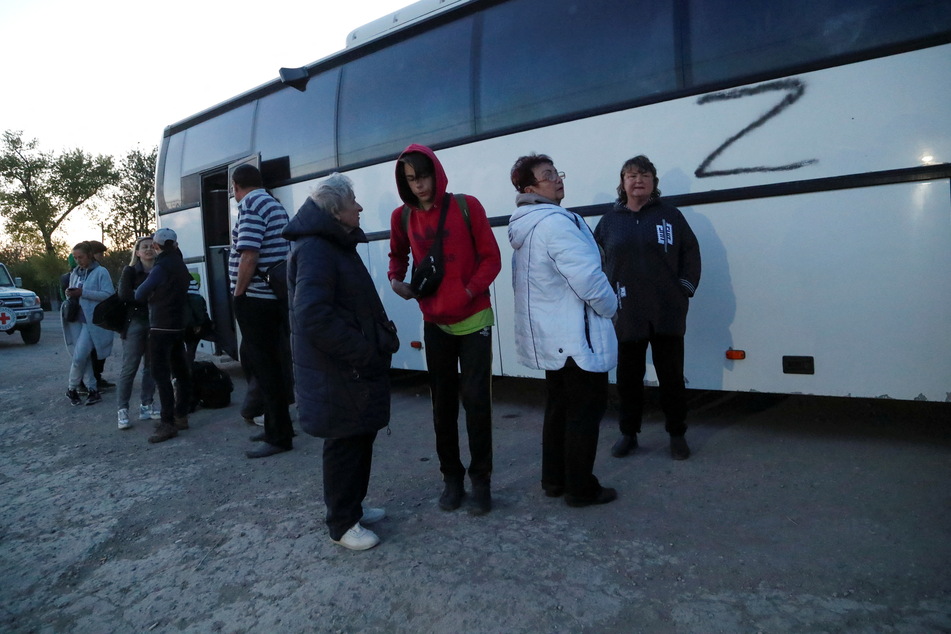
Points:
(211, 386)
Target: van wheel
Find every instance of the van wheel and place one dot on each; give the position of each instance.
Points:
(31, 334)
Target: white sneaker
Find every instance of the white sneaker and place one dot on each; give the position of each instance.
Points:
(155, 412)
(358, 538)
(145, 412)
(372, 515)
(124, 419)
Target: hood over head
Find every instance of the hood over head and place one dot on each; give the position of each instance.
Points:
(442, 181)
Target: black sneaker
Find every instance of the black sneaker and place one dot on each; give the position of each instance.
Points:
(103, 384)
(625, 445)
(82, 389)
(73, 397)
(605, 495)
(93, 398)
(678, 448)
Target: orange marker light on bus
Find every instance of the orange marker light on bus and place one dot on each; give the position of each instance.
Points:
(418, 345)
(735, 355)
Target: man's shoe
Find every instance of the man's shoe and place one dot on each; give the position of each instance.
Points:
(94, 397)
(678, 448)
(163, 432)
(149, 412)
(607, 494)
(73, 396)
(554, 490)
(451, 497)
(262, 437)
(103, 384)
(181, 422)
(124, 419)
(358, 538)
(266, 449)
(372, 515)
(625, 445)
(82, 389)
(481, 500)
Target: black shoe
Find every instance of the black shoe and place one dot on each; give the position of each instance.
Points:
(607, 494)
(258, 437)
(94, 397)
(678, 448)
(451, 497)
(625, 445)
(103, 384)
(481, 499)
(73, 397)
(163, 432)
(181, 422)
(82, 389)
(554, 490)
(265, 450)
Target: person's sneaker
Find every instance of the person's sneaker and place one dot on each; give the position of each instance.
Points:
(103, 384)
(94, 397)
(124, 419)
(358, 538)
(372, 515)
(451, 497)
(156, 412)
(181, 422)
(265, 450)
(625, 445)
(607, 494)
(73, 396)
(145, 412)
(163, 432)
(82, 389)
(678, 448)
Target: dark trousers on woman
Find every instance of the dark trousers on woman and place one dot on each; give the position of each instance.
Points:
(264, 328)
(347, 463)
(167, 356)
(445, 355)
(668, 355)
(575, 404)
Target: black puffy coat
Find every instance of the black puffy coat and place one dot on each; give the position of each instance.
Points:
(341, 376)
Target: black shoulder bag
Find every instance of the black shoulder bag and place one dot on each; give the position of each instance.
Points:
(429, 272)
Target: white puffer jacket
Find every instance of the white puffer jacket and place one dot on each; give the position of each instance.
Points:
(563, 300)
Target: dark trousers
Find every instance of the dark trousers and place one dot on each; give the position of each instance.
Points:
(576, 401)
(167, 356)
(264, 331)
(347, 463)
(668, 355)
(445, 355)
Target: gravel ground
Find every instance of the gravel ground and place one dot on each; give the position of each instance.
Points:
(795, 514)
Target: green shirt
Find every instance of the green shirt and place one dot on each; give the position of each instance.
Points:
(475, 323)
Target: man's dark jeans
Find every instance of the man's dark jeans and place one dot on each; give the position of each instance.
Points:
(667, 352)
(264, 329)
(167, 356)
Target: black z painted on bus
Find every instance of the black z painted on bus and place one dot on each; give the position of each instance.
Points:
(794, 89)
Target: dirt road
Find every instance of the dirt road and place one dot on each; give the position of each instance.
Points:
(795, 514)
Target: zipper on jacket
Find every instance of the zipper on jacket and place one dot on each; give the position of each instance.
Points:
(587, 329)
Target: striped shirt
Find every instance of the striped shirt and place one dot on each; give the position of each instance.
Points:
(261, 219)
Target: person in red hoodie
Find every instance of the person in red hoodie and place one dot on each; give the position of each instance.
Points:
(457, 317)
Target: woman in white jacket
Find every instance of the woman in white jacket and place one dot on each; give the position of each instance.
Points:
(563, 309)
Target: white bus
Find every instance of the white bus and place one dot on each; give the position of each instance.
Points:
(806, 141)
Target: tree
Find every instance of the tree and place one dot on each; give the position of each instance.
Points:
(132, 201)
(39, 190)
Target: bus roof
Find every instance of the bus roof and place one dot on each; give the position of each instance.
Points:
(398, 19)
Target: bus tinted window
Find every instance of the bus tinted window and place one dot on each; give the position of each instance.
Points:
(417, 91)
(730, 39)
(218, 140)
(299, 125)
(545, 60)
(169, 194)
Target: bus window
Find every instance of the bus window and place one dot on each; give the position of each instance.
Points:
(545, 60)
(730, 39)
(218, 140)
(169, 194)
(299, 125)
(416, 91)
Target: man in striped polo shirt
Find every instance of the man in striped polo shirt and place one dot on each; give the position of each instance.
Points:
(256, 245)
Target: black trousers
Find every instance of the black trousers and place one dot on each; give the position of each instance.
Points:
(347, 463)
(576, 402)
(264, 330)
(167, 358)
(445, 355)
(668, 355)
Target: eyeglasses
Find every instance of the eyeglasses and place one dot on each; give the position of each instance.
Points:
(554, 177)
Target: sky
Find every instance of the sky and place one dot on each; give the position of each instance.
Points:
(107, 76)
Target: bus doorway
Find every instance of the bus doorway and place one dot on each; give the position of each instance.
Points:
(216, 224)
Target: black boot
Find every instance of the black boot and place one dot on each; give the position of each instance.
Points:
(451, 496)
(481, 499)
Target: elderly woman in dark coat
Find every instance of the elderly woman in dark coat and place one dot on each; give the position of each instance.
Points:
(342, 342)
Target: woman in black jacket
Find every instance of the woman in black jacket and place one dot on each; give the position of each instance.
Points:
(341, 344)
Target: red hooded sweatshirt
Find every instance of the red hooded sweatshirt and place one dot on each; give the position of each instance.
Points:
(471, 257)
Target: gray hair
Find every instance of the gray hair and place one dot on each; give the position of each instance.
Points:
(333, 193)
